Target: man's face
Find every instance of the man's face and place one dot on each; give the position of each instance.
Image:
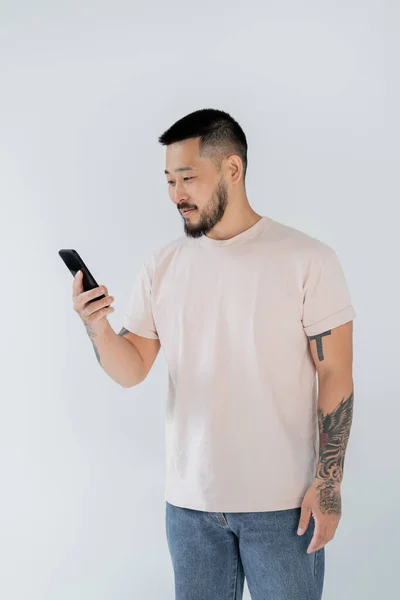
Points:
(195, 184)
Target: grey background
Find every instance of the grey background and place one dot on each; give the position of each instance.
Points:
(86, 88)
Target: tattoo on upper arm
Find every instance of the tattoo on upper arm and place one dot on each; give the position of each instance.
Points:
(318, 341)
(124, 331)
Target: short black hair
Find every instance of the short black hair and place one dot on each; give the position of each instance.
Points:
(219, 135)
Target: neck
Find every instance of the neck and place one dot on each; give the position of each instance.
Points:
(235, 220)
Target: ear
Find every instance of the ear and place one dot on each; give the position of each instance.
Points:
(235, 168)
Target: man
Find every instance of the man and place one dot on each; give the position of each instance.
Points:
(247, 310)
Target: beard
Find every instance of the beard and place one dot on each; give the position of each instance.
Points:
(210, 215)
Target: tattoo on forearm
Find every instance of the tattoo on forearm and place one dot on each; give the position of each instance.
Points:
(318, 341)
(96, 352)
(92, 335)
(334, 431)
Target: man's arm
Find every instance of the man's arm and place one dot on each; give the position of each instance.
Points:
(332, 352)
(125, 357)
(147, 348)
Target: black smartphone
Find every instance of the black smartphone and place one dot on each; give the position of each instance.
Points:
(74, 263)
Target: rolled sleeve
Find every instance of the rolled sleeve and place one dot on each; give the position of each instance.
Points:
(327, 302)
(138, 317)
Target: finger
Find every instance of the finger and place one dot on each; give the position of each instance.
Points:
(93, 307)
(328, 535)
(318, 539)
(93, 293)
(321, 544)
(99, 314)
(304, 519)
(77, 285)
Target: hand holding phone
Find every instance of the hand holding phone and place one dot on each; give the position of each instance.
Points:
(91, 301)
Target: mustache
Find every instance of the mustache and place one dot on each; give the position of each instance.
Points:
(185, 207)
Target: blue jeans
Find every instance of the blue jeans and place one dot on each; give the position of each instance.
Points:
(213, 552)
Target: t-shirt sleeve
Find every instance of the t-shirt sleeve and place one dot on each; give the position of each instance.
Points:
(326, 302)
(138, 317)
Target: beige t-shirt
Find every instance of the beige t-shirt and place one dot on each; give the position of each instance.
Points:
(233, 317)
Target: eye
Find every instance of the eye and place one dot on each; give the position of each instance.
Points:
(185, 178)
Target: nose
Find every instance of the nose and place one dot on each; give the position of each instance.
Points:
(178, 193)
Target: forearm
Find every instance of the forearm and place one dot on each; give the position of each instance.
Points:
(335, 413)
(118, 357)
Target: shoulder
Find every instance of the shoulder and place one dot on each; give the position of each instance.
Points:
(299, 244)
(159, 259)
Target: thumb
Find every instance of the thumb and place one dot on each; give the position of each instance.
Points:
(304, 519)
(77, 285)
